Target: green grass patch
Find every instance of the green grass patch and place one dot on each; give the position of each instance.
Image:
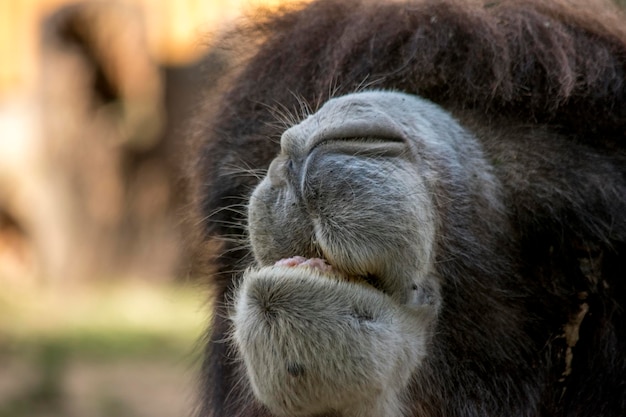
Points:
(105, 322)
(50, 333)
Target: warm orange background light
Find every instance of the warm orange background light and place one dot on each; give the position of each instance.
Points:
(50, 113)
(176, 31)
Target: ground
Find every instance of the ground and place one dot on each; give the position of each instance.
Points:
(124, 350)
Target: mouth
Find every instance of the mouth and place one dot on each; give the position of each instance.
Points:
(310, 336)
(324, 268)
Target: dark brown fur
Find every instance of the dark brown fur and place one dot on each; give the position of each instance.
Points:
(543, 87)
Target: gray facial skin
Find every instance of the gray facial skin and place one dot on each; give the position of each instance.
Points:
(355, 184)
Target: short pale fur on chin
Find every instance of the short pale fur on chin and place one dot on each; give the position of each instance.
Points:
(312, 343)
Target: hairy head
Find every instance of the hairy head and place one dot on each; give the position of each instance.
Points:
(429, 237)
(362, 184)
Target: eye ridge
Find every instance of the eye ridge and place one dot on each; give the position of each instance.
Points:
(373, 146)
(366, 139)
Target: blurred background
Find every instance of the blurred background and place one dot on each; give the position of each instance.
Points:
(98, 316)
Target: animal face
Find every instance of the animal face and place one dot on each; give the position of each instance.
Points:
(448, 241)
(357, 184)
(348, 187)
(342, 182)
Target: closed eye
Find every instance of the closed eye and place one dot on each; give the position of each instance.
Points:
(368, 139)
(364, 146)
